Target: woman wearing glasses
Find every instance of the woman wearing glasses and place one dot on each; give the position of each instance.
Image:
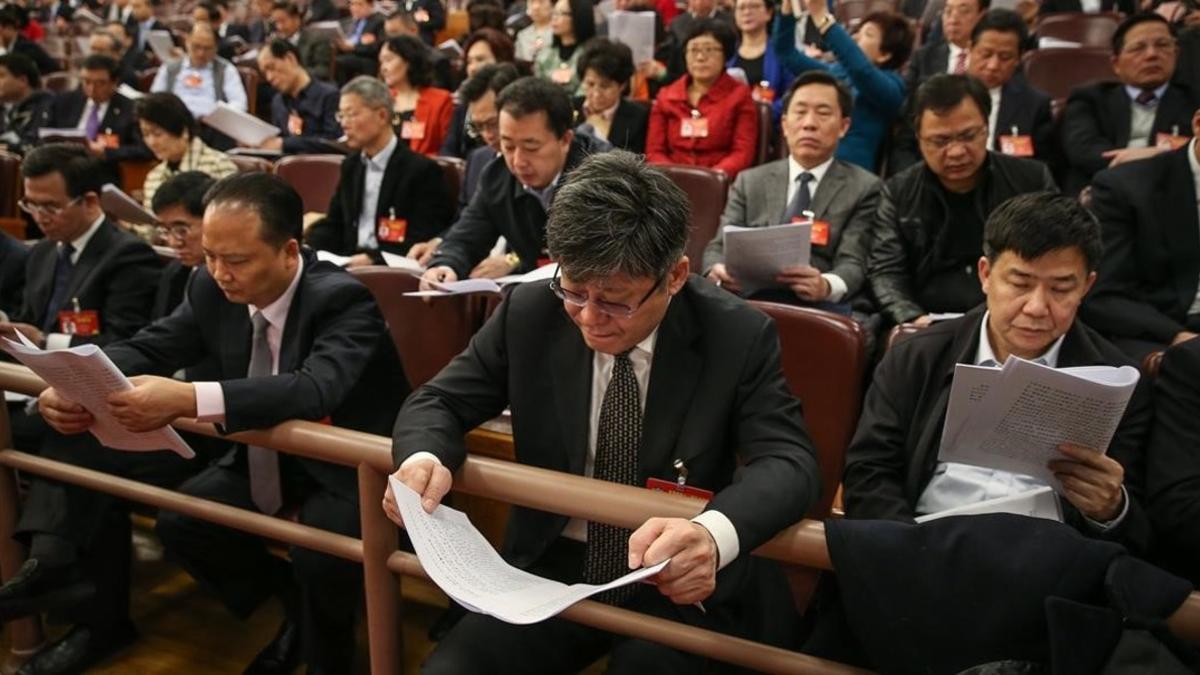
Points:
(705, 118)
(421, 112)
(170, 131)
(869, 63)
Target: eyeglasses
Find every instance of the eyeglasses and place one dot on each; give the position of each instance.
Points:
(613, 309)
(343, 117)
(176, 231)
(45, 210)
(477, 129)
(943, 141)
(704, 50)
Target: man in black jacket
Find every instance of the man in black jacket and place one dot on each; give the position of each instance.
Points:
(23, 105)
(304, 109)
(388, 197)
(515, 192)
(179, 206)
(1146, 296)
(1173, 461)
(1139, 116)
(929, 226)
(315, 51)
(1040, 253)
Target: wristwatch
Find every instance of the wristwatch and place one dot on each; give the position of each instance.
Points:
(513, 260)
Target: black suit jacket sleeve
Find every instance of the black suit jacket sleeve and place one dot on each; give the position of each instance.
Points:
(129, 294)
(1083, 140)
(1173, 456)
(1128, 447)
(854, 249)
(889, 274)
(165, 346)
(471, 237)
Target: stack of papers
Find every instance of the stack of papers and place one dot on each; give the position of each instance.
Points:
(485, 285)
(390, 259)
(634, 30)
(755, 256)
(466, 567)
(328, 30)
(121, 206)
(239, 125)
(85, 374)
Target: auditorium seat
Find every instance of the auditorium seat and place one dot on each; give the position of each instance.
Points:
(706, 190)
(454, 170)
(11, 220)
(767, 133)
(1085, 28)
(850, 13)
(1058, 70)
(248, 164)
(250, 78)
(58, 83)
(315, 177)
(900, 332)
(427, 334)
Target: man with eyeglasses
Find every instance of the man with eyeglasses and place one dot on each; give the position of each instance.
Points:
(1139, 116)
(179, 207)
(929, 226)
(388, 197)
(626, 369)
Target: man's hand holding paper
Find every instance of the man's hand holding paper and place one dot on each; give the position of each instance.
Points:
(806, 282)
(691, 575)
(62, 414)
(423, 475)
(153, 403)
(1091, 481)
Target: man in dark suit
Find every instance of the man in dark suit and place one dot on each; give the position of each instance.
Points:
(13, 256)
(515, 192)
(479, 94)
(929, 226)
(316, 52)
(304, 109)
(292, 338)
(105, 42)
(949, 55)
(388, 197)
(358, 54)
(12, 42)
(1139, 116)
(1146, 295)
(179, 206)
(141, 21)
(1040, 253)
(105, 116)
(841, 197)
(621, 324)
(23, 104)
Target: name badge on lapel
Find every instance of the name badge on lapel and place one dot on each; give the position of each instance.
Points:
(84, 323)
(392, 229)
(412, 130)
(820, 233)
(110, 140)
(1016, 145)
(295, 124)
(694, 127)
(680, 486)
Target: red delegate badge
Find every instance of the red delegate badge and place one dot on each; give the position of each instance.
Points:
(694, 127)
(412, 130)
(392, 229)
(79, 322)
(660, 485)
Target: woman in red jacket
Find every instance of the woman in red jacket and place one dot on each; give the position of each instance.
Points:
(706, 117)
(421, 113)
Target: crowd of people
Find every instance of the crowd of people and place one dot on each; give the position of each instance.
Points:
(946, 195)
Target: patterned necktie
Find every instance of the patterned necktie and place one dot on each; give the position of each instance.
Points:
(960, 62)
(92, 127)
(265, 487)
(617, 439)
(1146, 98)
(802, 200)
(63, 268)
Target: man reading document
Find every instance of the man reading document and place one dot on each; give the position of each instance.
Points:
(617, 369)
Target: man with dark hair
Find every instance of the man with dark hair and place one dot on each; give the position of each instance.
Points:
(103, 42)
(358, 54)
(179, 206)
(1147, 296)
(105, 116)
(23, 104)
(515, 192)
(625, 337)
(388, 197)
(290, 338)
(315, 51)
(929, 226)
(949, 55)
(12, 21)
(1040, 251)
(839, 196)
(1140, 115)
(304, 109)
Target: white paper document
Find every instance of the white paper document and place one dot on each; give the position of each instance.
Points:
(240, 126)
(87, 15)
(756, 255)
(390, 259)
(464, 565)
(1014, 418)
(1037, 503)
(485, 285)
(71, 134)
(328, 30)
(85, 374)
(121, 206)
(634, 30)
(129, 92)
(161, 44)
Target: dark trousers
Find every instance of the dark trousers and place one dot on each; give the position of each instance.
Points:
(319, 592)
(483, 644)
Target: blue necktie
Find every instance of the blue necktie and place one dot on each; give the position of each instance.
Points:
(62, 283)
(802, 200)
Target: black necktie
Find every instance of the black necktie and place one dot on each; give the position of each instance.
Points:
(63, 268)
(265, 487)
(1146, 98)
(802, 200)
(617, 437)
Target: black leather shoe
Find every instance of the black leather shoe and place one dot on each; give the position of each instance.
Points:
(37, 588)
(281, 656)
(81, 648)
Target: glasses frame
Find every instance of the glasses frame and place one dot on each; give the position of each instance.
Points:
(47, 211)
(613, 309)
(943, 143)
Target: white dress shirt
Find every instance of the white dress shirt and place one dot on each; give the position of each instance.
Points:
(993, 115)
(955, 484)
(201, 99)
(837, 285)
(210, 398)
(372, 184)
(63, 340)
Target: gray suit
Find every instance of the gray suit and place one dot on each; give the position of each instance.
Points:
(846, 198)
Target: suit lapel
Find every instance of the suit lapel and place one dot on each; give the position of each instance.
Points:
(964, 346)
(89, 259)
(572, 381)
(1119, 103)
(41, 283)
(674, 374)
(828, 189)
(235, 347)
(290, 341)
(773, 193)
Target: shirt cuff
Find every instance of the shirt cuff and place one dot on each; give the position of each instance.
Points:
(1108, 525)
(57, 341)
(210, 402)
(837, 287)
(723, 532)
(419, 455)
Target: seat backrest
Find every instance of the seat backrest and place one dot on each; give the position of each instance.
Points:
(850, 13)
(427, 334)
(250, 79)
(706, 190)
(900, 332)
(766, 132)
(454, 171)
(248, 164)
(11, 220)
(60, 82)
(1087, 29)
(1058, 70)
(315, 177)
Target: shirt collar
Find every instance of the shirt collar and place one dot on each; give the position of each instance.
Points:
(544, 194)
(818, 171)
(276, 312)
(985, 356)
(645, 348)
(381, 158)
(1134, 92)
(82, 240)
(606, 114)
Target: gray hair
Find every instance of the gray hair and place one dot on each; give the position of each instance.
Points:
(371, 90)
(617, 215)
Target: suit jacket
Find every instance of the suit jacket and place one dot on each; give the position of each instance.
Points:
(1148, 278)
(437, 16)
(894, 452)
(701, 406)
(116, 275)
(375, 27)
(732, 139)
(435, 107)
(259, 30)
(316, 54)
(13, 256)
(932, 59)
(1173, 461)
(317, 108)
(1097, 118)
(172, 286)
(67, 110)
(477, 161)
(46, 64)
(337, 359)
(628, 129)
(846, 197)
(413, 188)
